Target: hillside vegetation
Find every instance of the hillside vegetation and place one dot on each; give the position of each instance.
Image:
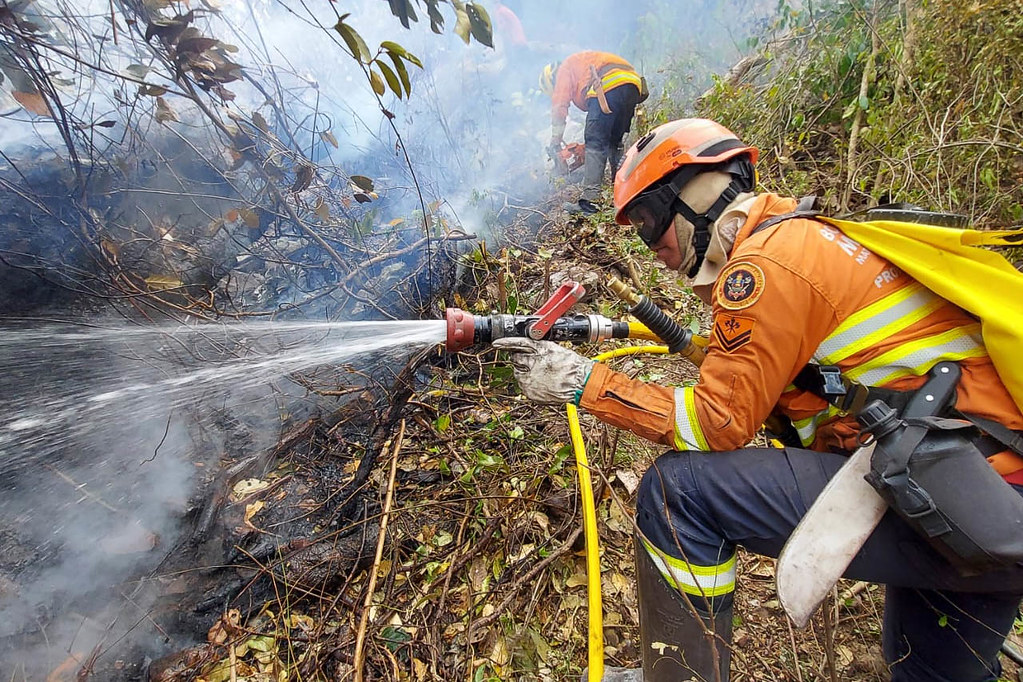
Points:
(866, 102)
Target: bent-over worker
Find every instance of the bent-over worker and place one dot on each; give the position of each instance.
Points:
(607, 88)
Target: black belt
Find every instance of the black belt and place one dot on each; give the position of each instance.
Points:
(828, 382)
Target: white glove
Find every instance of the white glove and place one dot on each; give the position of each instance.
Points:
(547, 373)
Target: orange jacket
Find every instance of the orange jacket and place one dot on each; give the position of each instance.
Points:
(795, 292)
(573, 83)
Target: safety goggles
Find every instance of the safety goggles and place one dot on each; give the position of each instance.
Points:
(652, 211)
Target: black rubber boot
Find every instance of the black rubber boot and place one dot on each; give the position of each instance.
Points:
(678, 641)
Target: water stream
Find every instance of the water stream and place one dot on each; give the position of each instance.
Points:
(106, 432)
(61, 383)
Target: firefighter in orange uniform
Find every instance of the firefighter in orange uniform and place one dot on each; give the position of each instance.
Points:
(608, 89)
(790, 298)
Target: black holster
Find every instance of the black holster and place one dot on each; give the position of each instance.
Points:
(932, 474)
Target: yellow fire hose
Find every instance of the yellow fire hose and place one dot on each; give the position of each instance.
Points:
(595, 650)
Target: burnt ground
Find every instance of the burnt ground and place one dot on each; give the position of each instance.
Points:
(481, 574)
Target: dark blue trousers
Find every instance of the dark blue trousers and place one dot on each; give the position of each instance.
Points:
(603, 136)
(938, 625)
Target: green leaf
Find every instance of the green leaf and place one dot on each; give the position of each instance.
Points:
(943, 621)
(411, 58)
(356, 45)
(362, 182)
(393, 48)
(479, 24)
(433, 569)
(399, 66)
(137, 70)
(500, 373)
(563, 453)
(443, 422)
(394, 637)
(377, 82)
(487, 459)
(392, 79)
(517, 433)
(264, 644)
(436, 18)
(404, 10)
(849, 110)
(462, 27)
(864, 102)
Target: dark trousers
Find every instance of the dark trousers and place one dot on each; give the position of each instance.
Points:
(603, 136)
(938, 625)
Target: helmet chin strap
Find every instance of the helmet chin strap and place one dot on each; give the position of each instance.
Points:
(742, 174)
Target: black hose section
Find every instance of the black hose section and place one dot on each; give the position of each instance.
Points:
(575, 329)
(667, 329)
(572, 329)
(482, 330)
(619, 330)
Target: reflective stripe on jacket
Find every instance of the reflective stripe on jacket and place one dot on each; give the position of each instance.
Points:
(573, 83)
(819, 296)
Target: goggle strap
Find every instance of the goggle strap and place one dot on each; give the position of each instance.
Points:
(702, 222)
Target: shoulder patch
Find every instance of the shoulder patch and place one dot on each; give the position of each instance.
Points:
(741, 285)
(733, 332)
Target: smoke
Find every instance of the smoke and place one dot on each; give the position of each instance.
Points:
(99, 456)
(108, 435)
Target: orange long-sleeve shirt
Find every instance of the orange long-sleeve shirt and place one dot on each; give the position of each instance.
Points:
(795, 292)
(574, 80)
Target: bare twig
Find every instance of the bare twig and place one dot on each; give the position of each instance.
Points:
(367, 605)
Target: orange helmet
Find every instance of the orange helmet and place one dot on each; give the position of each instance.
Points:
(656, 168)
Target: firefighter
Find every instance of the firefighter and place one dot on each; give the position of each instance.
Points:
(608, 89)
(794, 295)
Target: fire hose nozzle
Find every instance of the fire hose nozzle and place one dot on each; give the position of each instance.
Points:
(461, 329)
(465, 329)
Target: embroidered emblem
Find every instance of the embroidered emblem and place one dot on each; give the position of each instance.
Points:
(733, 332)
(741, 286)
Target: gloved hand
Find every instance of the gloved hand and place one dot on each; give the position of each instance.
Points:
(554, 148)
(547, 373)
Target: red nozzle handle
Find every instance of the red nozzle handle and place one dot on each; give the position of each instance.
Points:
(567, 295)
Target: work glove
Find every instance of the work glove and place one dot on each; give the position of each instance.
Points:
(554, 148)
(547, 373)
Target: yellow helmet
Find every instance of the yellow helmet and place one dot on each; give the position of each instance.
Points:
(547, 77)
